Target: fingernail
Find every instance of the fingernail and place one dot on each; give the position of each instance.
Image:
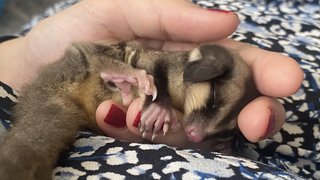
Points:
(116, 117)
(220, 11)
(137, 120)
(271, 124)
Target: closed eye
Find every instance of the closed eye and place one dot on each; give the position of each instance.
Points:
(111, 86)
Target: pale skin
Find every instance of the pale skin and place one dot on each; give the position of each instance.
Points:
(163, 24)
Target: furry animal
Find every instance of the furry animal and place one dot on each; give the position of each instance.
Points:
(209, 84)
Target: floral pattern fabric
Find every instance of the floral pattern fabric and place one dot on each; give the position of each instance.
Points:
(289, 27)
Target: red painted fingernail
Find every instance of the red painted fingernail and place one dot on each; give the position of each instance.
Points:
(220, 10)
(137, 120)
(271, 124)
(116, 117)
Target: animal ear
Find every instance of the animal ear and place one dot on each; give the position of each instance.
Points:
(206, 63)
(201, 70)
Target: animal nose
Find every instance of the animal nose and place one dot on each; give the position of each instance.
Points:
(195, 133)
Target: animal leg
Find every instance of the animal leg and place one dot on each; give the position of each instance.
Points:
(124, 81)
(156, 118)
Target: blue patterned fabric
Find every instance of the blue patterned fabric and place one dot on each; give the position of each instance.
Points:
(289, 27)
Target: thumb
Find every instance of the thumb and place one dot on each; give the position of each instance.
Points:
(177, 20)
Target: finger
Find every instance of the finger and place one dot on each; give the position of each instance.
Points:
(166, 45)
(177, 138)
(177, 20)
(261, 118)
(111, 120)
(275, 75)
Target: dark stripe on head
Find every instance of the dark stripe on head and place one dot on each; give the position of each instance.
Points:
(211, 101)
(160, 75)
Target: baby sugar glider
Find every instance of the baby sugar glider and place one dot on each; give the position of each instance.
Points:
(209, 85)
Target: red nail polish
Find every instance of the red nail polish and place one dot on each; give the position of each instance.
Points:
(116, 117)
(220, 10)
(137, 120)
(271, 124)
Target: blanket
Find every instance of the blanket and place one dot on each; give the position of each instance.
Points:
(289, 27)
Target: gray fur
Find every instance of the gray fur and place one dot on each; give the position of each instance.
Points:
(63, 99)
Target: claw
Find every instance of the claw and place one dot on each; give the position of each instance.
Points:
(156, 130)
(141, 129)
(154, 135)
(165, 128)
(154, 95)
(144, 135)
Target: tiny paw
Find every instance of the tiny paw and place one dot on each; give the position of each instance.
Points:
(156, 118)
(146, 83)
(124, 81)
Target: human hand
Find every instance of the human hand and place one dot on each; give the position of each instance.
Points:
(260, 119)
(170, 21)
(162, 24)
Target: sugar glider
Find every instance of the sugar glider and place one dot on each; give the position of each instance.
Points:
(209, 85)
